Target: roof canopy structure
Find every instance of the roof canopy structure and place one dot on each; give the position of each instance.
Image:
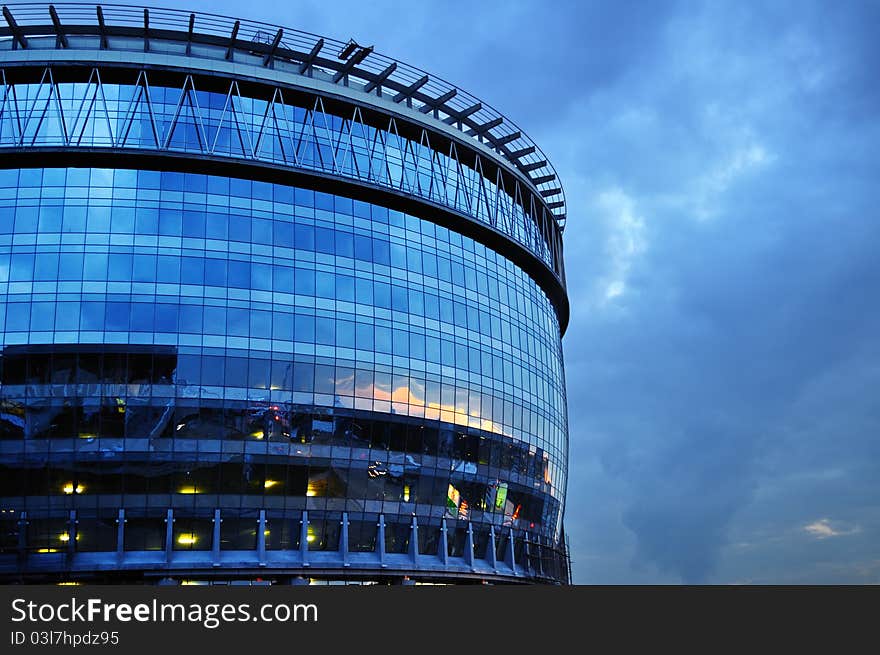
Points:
(350, 65)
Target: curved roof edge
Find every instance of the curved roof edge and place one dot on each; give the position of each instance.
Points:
(348, 65)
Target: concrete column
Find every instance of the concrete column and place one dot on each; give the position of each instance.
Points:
(304, 538)
(120, 536)
(508, 556)
(380, 540)
(169, 534)
(414, 540)
(490, 549)
(444, 544)
(343, 539)
(261, 538)
(469, 546)
(22, 533)
(215, 542)
(71, 533)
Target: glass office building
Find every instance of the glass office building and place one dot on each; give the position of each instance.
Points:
(272, 308)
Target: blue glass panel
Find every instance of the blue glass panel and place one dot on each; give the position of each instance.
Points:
(142, 317)
(304, 281)
(119, 266)
(260, 324)
(261, 277)
(92, 315)
(166, 318)
(67, 316)
(144, 268)
(193, 224)
(191, 319)
(22, 269)
(117, 316)
(215, 272)
(46, 267)
(239, 274)
(18, 315)
(42, 316)
(95, 266)
(50, 218)
(192, 270)
(237, 322)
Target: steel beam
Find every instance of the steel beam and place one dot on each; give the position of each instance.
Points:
(411, 89)
(381, 77)
(59, 31)
(272, 48)
(528, 168)
(479, 130)
(522, 152)
(504, 140)
(232, 37)
(189, 33)
(438, 103)
(460, 116)
(17, 34)
(310, 58)
(146, 30)
(102, 28)
(353, 61)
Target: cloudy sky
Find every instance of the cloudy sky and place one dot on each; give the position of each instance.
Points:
(721, 164)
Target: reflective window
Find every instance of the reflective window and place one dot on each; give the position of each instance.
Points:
(208, 343)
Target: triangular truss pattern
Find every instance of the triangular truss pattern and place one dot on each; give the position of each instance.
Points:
(92, 122)
(10, 120)
(275, 138)
(233, 134)
(360, 141)
(137, 125)
(158, 117)
(186, 131)
(44, 119)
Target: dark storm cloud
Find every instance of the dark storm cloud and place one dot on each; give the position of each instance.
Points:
(757, 275)
(722, 361)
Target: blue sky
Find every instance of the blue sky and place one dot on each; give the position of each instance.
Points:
(721, 168)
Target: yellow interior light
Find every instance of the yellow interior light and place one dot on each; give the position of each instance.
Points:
(268, 484)
(186, 539)
(406, 493)
(64, 537)
(188, 490)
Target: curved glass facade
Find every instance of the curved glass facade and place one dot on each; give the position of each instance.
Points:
(203, 373)
(138, 115)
